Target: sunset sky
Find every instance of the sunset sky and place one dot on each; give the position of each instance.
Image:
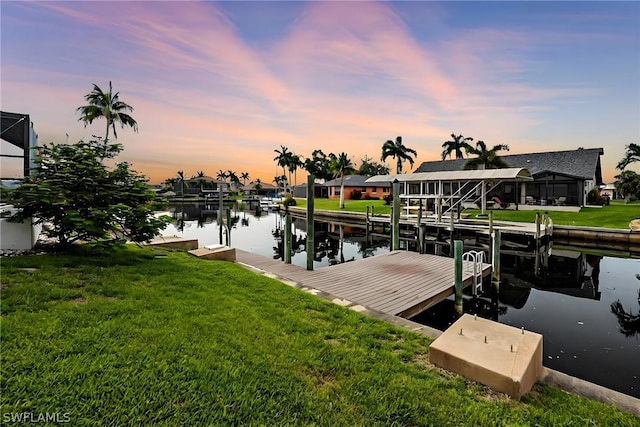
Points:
(220, 85)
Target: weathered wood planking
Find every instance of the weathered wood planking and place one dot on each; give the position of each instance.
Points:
(400, 283)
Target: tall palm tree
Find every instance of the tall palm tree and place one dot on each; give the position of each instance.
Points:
(341, 165)
(283, 158)
(487, 159)
(456, 145)
(398, 151)
(244, 176)
(630, 156)
(106, 105)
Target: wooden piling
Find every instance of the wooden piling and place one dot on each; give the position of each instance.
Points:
(495, 260)
(458, 275)
(220, 220)
(395, 227)
(537, 237)
(310, 223)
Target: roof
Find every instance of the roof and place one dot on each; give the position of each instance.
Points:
(514, 174)
(356, 181)
(581, 163)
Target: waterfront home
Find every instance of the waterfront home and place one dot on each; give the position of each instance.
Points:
(201, 185)
(356, 187)
(559, 177)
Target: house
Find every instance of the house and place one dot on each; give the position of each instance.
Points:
(557, 175)
(319, 191)
(200, 185)
(356, 185)
(263, 189)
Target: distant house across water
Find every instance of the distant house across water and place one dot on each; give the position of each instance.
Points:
(355, 185)
(557, 175)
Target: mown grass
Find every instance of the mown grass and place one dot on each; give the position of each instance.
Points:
(616, 215)
(142, 337)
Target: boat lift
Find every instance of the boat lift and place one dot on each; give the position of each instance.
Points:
(466, 186)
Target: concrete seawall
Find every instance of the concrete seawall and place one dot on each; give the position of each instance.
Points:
(596, 237)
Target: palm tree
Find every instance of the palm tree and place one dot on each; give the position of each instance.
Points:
(281, 180)
(107, 105)
(233, 178)
(341, 166)
(487, 159)
(398, 151)
(457, 144)
(181, 181)
(630, 156)
(295, 161)
(283, 158)
(245, 177)
(200, 175)
(222, 175)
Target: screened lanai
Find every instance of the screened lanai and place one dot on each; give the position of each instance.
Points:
(448, 191)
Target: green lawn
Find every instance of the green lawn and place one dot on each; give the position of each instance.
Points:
(142, 337)
(616, 215)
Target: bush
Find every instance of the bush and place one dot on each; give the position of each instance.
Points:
(77, 198)
(388, 199)
(356, 195)
(289, 200)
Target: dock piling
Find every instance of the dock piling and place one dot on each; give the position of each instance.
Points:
(310, 222)
(395, 227)
(458, 275)
(495, 260)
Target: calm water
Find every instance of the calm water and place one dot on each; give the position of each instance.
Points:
(569, 301)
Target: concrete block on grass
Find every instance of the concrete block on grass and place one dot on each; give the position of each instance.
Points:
(507, 359)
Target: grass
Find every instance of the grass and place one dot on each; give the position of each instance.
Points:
(139, 337)
(616, 215)
(349, 205)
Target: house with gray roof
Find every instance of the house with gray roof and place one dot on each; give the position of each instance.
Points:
(354, 184)
(557, 175)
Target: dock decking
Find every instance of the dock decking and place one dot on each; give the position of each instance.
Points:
(399, 283)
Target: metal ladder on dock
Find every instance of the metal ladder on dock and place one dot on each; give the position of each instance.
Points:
(475, 259)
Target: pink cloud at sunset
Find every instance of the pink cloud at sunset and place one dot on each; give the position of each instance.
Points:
(220, 85)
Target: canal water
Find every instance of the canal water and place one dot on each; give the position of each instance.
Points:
(585, 304)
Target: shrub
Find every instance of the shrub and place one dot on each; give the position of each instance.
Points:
(77, 198)
(289, 200)
(356, 195)
(388, 199)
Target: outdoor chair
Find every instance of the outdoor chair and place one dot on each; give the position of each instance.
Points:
(530, 200)
(561, 201)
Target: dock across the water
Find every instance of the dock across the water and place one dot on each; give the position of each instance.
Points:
(398, 283)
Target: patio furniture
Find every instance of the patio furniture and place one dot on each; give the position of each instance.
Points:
(529, 200)
(561, 201)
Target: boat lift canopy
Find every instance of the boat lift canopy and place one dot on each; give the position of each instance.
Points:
(473, 181)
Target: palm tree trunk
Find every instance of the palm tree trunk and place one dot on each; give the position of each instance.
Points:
(399, 166)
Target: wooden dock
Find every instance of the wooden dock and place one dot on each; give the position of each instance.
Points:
(398, 283)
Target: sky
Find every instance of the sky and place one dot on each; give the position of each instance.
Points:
(221, 85)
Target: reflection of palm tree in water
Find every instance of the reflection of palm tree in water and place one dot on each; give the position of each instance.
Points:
(629, 323)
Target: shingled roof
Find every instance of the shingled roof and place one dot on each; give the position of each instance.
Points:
(354, 181)
(583, 163)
